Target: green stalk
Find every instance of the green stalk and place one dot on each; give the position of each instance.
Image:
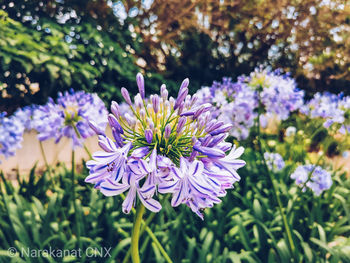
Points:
(136, 234)
(79, 136)
(143, 228)
(276, 192)
(48, 168)
(160, 247)
(148, 230)
(77, 225)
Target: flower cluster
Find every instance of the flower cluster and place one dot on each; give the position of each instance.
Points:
(70, 117)
(274, 161)
(234, 102)
(313, 177)
(11, 135)
(165, 145)
(279, 94)
(25, 115)
(237, 102)
(334, 109)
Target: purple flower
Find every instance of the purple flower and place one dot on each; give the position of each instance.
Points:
(237, 103)
(71, 115)
(11, 135)
(156, 150)
(274, 161)
(25, 116)
(313, 177)
(131, 182)
(110, 163)
(332, 108)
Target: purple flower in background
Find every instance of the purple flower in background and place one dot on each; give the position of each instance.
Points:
(234, 102)
(25, 115)
(237, 102)
(11, 135)
(333, 109)
(279, 94)
(313, 177)
(70, 117)
(165, 145)
(274, 161)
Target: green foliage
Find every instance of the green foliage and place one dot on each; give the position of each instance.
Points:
(245, 227)
(62, 56)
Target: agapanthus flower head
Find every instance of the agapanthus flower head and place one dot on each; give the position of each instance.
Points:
(278, 92)
(165, 145)
(233, 102)
(25, 115)
(70, 117)
(313, 177)
(11, 135)
(333, 109)
(274, 161)
(238, 102)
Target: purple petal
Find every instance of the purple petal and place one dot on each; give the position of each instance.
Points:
(179, 195)
(211, 152)
(140, 152)
(109, 188)
(129, 200)
(150, 204)
(167, 187)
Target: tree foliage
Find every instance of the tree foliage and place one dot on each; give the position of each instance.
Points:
(53, 47)
(100, 45)
(309, 38)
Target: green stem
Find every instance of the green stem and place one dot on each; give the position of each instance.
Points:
(143, 228)
(48, 168)
(153, 237)
(79, 136)
(160, 247)
(87, 151)
(136, 234)
(77, 225)
(276, 192)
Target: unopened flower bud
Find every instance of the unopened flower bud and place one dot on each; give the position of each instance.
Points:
(180, 98)
(148, 135)
(214, 126)
(163, 92)
(222, 129)
(155, 102)
(138, 101)
(142, 113)
(167, 131)
(185, 83)
(126, 96)
(130, 120)
(172, 102)
(93, 125)
(140, 84)
(118, 139)
(180, 109)
(211, 152)
(181, 124)
(114, 123)
(115, 109)
(194, 99)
